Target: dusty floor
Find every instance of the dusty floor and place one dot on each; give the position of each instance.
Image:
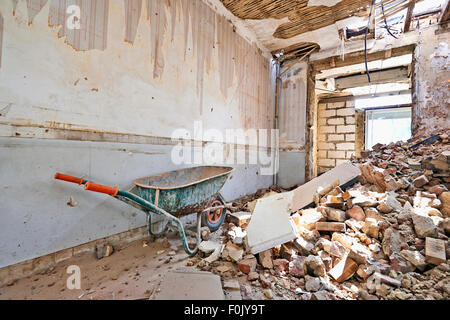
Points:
(131, 272)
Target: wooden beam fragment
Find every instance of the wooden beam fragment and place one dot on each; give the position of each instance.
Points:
(445, 15)
(409, 16)
(358, 57)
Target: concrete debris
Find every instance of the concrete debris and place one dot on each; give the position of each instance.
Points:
(103, 251)
(381, 236)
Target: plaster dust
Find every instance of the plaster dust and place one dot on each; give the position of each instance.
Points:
(132, 272)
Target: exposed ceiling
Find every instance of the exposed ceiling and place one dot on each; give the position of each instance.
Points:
(283, 23)
(290, 25)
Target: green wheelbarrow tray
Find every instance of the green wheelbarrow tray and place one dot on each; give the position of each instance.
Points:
(173, 195)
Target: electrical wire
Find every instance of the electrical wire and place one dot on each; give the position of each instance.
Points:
(385, 22)
(365, 39)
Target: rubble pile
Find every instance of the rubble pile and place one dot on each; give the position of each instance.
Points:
(384, 237)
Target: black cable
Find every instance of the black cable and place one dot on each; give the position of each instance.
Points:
(365, 39)
(385, 22)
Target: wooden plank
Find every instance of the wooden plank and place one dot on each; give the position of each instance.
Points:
(400, 74)
(435, 251)
(330, 226)
(409, 16)
(358, 57)
(445, 15)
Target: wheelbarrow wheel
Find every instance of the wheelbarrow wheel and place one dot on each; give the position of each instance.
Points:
(215, 218)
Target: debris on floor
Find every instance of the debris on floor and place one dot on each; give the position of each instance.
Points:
(383, 235)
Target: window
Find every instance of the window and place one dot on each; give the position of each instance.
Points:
(387, 125)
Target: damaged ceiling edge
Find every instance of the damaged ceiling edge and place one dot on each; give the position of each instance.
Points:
(242, 28)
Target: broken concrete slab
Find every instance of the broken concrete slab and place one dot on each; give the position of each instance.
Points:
(270, 224)
(190, 285)
(304, 195)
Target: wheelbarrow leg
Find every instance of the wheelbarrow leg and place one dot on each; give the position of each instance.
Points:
(189, 251)
(151, 234)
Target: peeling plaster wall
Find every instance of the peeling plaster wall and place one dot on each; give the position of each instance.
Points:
(292, 124)
(432, 73)
(103, 102)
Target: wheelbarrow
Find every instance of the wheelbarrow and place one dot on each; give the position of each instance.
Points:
(172, 195)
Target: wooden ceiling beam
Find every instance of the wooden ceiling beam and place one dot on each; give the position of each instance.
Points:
(358, 57)
(409, 16)
(445, 15)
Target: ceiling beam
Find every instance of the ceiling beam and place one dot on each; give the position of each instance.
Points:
(445, 15)
(409, 16)
(358, 57)
(394, 75)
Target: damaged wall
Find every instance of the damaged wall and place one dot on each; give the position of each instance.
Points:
(103, 101)
(292, 124)
(431, 96)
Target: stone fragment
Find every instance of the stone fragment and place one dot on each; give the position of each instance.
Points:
(420, 181)
(415, 258)
(265, 259)
(297, 267)
(252, 276)
(445, 200)
(357, 213)
(424, 226)
(281, 265)
(247, 265)
(371, 228)
(312, 284)
(392, 241)
(315, 266)
(336, 215)
(435, 252)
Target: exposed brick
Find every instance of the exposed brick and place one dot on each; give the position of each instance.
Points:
(327, 113)
(350, 154)
(326, 146)
(349, 120)
(322, 121)
(322, 137)
(346, 112)
(336, 105)
(327, 162)
(327, 129)
(336, 121)
(336, 154)
(322, 154)
(322, 106)
(349, 128)
(350, 137)
(336, 137)
(345, 146)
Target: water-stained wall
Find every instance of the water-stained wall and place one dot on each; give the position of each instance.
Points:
(292, 124)
(102, 102)
(432, 86)
(128, 61)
